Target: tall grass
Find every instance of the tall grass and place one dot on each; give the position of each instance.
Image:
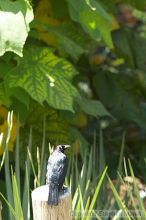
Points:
(87, 178)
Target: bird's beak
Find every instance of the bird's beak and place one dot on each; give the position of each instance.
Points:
(67, 146)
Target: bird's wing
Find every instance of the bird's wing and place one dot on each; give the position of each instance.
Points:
(62, 169)
(57, 167)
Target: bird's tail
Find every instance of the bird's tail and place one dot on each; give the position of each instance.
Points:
(53, 194)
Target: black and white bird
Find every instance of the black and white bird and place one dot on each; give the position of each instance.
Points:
(56, 172)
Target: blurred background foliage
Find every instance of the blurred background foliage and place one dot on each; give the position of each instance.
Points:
(72, 72)
(80, 66)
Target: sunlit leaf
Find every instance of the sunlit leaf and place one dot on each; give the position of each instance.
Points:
(45, 77)
(93, 18)
(15, 17)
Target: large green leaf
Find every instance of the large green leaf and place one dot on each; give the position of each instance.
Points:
(45, 77)
(122, 41)
(93, 107)
(4, 99)
(23, 96)
(61, 94)
(131, 46)
(93, 18)
(5, 67)
(70, 38)
(121, 102)
(15, 17)
(139, 50)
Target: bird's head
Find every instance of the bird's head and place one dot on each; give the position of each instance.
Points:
(62, 147)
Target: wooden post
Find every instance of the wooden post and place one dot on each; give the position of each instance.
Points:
(43, 211)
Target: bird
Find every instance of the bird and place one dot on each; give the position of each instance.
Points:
(56, 172)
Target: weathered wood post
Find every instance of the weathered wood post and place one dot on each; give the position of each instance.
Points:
(43, 211)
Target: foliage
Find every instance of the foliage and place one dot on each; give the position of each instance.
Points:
(93, 193)
(93, 18)
(47, 72)
(70, 68)
(45, 77)
(15, 17)
(20, 208)
(4, 127)
(80, 61)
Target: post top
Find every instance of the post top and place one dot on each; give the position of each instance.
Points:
(41, 193)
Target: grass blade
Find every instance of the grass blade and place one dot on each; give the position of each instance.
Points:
(97, 190)
(141, 205)
(6, 164)
(119, 201)
(26, 192)
(17, 160)
(121, 153)
(101, 152)
(42, 160)
(17, 200)
(9, 205)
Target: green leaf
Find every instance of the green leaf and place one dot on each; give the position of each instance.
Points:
(93, 18)
(45, 77)
(61, 94)
(5, 67)
(15, 17)
(131, 46)
(23, 95)
(20, 109)
(4, 98)
(121, 102)
(70, 38)
(138, 46)
(123, 46)
(93, 107)
(57, 11)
